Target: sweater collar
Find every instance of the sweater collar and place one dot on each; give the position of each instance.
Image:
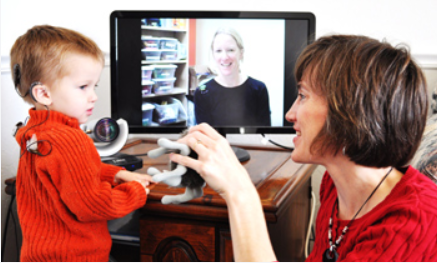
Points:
(41, 116)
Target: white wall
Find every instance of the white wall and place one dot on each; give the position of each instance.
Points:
(407, 21)
(398, 20)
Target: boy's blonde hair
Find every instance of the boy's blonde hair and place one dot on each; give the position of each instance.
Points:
(39, 55)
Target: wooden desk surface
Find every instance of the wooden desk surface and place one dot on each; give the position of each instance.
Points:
(275, 175)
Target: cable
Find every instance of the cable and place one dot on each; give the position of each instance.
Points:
(277, 144)
(313, 209)
(28, 146)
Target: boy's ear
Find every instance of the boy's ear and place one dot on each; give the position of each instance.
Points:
(41, 94)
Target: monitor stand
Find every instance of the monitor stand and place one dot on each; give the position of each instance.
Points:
(241, 154)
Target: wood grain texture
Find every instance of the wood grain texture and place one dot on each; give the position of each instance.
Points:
(199, 230)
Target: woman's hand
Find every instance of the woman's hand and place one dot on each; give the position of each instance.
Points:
(222, 171)
(216, 162)
(124, 176)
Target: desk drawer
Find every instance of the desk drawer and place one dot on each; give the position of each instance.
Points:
(173, 240)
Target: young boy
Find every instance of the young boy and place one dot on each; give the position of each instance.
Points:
(65, 194)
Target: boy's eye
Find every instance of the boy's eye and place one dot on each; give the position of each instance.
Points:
(83, 87)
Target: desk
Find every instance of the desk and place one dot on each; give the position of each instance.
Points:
(199, 230)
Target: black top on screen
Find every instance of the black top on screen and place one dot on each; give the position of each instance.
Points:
(161, 59)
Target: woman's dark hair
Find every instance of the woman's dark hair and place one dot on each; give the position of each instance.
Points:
(376, 96)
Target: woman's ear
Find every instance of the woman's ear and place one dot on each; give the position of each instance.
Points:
(41, 94)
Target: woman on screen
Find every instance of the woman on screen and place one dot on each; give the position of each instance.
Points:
(231, 98)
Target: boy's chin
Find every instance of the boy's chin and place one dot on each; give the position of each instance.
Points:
(83, 120)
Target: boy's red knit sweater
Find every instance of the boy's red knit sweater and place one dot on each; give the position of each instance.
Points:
(65, 198)
(403, 227)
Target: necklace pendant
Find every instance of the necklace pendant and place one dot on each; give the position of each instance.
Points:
(330, 256)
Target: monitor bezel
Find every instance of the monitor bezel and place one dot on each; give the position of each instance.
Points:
(289, 95)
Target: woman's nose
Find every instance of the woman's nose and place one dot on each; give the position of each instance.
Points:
(290, 116)
(224, 55)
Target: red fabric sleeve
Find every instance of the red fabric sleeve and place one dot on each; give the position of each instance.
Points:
(76, 171)
(108, 172)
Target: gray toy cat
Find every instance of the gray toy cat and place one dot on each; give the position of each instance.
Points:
(178, 175)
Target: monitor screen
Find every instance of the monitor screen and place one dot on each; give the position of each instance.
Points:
(170, 69)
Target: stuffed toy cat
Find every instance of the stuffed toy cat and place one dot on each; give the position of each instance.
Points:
(178, 175)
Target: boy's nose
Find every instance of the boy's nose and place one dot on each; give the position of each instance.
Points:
(93, 96)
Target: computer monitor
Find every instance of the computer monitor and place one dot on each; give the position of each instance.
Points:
(159, 59)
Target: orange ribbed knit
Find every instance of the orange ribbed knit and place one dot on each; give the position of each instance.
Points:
(64, 199)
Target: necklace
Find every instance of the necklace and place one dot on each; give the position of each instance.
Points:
(331, 254)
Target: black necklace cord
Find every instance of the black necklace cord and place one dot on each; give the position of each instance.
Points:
(331, 253)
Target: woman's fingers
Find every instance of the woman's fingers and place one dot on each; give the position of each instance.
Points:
(216, 162)
(186, 161)
(207, 130)
(198, 136)
(204, 134)
(199, 139)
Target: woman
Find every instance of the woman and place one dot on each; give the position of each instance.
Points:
(231, 98)
(360, 112)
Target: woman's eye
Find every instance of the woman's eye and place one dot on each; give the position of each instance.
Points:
(301, 96)
(83, 87)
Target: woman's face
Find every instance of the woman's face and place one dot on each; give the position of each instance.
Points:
(308, 113)
(226, 55)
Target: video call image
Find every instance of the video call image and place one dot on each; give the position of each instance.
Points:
(226, 72)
